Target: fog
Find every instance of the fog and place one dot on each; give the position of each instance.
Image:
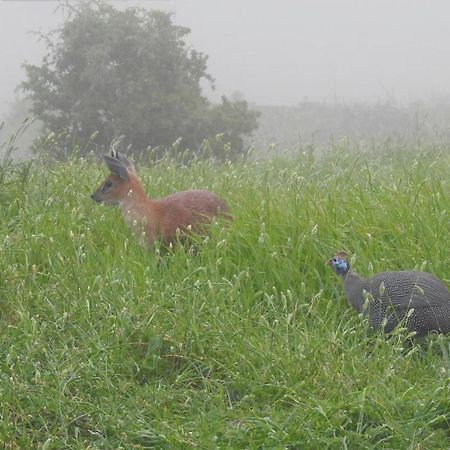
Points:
(317, 70)
(281, 53)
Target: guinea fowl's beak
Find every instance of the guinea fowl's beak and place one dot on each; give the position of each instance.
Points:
(329, 262)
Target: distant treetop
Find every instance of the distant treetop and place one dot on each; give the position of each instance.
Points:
(110, 73)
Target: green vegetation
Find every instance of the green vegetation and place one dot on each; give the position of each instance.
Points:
(246, 340)
(110, 73)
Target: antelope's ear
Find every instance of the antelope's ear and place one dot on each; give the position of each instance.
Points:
(124, 159)
(117, 167)
(129, 165)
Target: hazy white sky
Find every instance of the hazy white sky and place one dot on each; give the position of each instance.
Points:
(282, 51)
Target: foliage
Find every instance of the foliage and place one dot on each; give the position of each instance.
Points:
(111, 73)
(246, 342)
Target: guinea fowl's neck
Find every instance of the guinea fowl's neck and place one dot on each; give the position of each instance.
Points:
(353, 284)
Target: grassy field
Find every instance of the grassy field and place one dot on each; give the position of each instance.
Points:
(246, 342)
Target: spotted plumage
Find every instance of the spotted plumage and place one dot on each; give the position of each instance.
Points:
(417, 300)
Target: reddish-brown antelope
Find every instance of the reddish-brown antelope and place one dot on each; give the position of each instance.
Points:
(164, 219)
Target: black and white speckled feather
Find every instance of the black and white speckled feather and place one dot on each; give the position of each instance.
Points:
(417, 300)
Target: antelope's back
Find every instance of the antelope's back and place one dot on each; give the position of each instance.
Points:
(198, 201)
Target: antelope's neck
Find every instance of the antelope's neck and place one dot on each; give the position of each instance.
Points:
(136, 206)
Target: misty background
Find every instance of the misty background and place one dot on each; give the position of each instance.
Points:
(317, 70)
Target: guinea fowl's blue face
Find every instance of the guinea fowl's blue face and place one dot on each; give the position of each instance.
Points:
(339, 264)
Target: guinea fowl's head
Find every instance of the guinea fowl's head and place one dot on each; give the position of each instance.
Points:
(339, 263)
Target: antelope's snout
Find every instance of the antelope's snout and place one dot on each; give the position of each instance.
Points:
(96, 197)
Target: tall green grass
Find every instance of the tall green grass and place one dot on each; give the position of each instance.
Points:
(246, 340)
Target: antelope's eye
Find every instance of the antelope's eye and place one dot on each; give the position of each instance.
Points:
(106, 186)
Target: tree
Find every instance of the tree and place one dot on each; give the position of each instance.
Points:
(128, 73)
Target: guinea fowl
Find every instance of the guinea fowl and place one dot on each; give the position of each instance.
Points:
(417, 300)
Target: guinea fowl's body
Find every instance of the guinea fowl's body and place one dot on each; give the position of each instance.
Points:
(390, 296)
(387, 298)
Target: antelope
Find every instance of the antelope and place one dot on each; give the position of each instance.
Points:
(164, 219)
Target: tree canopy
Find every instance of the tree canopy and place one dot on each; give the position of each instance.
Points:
(110, 73)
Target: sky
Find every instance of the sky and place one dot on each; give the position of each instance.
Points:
(281, 52)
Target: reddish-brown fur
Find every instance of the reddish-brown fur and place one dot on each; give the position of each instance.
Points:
(163, 219)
